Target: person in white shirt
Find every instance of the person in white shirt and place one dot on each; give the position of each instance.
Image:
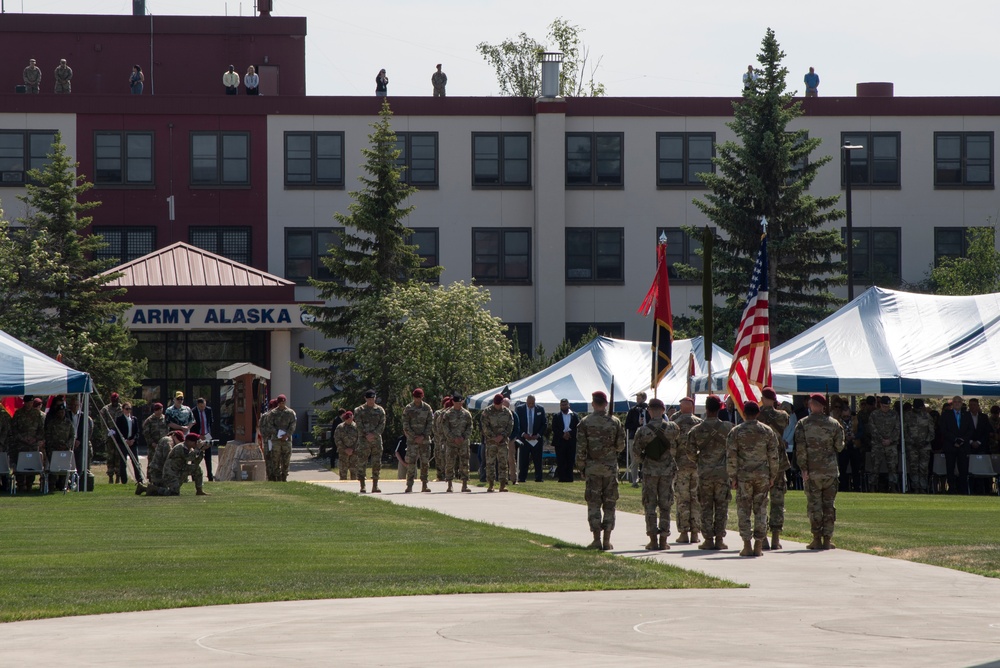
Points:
(252, 80)
(231, 80)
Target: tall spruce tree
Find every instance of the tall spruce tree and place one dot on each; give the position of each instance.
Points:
(766, 174)
(370, 259)
(54, 296)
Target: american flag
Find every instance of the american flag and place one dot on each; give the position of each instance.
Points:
(751, 369)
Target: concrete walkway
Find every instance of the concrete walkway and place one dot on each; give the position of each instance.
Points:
(836, 608)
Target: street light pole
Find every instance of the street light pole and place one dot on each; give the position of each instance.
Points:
(848, 147)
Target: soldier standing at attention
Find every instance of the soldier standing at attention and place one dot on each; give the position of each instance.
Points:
(456, 427)
(655, 447)
(439, 80)
(818, 440)
(708, 440)
(283, 423)
(686, 480)
(418, 425)
(920, 434)
(440, 445)
(497, 424)
(599, 439)
(111, 412)
(32, 77)
(154, 428)
(266, 434)
(370, 418)
(883, 426)
(776, 419)
(347, 436)
(752, 464)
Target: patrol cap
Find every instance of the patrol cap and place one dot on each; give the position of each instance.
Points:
(768, 393)
(713, 404)
(885, 400)
(497, 399)
(457, 398)
(691, 399)
(656, 403)
(192, 436)
(599, 398)
(157, 406)
(918, 403)
(370, 394)
(418, 393)
(349, 415)
(818, 398)
(751, 408)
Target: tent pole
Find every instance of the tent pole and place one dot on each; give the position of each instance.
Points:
(902, 436)
(85, 443)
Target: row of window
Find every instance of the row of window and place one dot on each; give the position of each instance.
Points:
(127, 243)
(878, 251)
(499, 159)
(522, 332)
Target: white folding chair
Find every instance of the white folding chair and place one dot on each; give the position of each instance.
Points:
(64, 463)
(981, 466)
(939, 470)
(32, 463)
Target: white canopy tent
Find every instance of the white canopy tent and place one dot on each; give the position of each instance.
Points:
(24, 370)
(592, 367)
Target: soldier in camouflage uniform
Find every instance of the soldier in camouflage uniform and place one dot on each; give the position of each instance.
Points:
(59, 435)
(159, 457)
(456, 428)
(5, 449)
(370, 418)
(265, 434)
(110, 413)
(655, 447)
(282, 419)
(776, 419)
(440, 445)
(439, 80)
(183, 460)
(919, 433)
(27, 435)
(686, 479)
(497, 424)
(883, 427)
(347, 436)
(818, 440)
(154, 428)
(32, 77)
(708, 440)
(418, 427)
(64, 77)
(752, 464)
(599, 440)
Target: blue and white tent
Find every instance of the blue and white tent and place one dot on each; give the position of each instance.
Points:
(24, 370)
(892, 342)
(591, 368)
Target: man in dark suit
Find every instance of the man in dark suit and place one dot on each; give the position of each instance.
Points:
(957, 432)
(564, 424)
(127, 435)
(533, 430)
(204, 424)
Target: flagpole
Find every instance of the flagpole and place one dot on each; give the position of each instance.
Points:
(656, 352)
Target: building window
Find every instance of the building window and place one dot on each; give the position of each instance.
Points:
(595, 255)
(418, 158)
(426, 241)
(520, 334)
(963, 159)
(220, 158)
(305, 249)
(682, 156)
(21, 151)
(125, 244)
(123, 158)
(575, 331)
(876, 165)
(501, 159)
(681, 248)
(232, 243)
(314, 159)
(595, 159)
(876, 255)
(501, 255)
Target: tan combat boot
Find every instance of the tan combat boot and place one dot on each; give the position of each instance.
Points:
(424, 487)
(683, 538)
(465, 486)
(503, 485)
(720, 544)
(490, 488)
(607, 541)
(201, 492)
(375, 489)
(663, 541)
(747, 550)
(409, 485)
(449, 487)
(694, 537)
(363, 490)
(775, 543)
(653, 543)
(758, 548)
(816, 544)
(828, 544)
(596, 545)
(767, 546)
(709, 544)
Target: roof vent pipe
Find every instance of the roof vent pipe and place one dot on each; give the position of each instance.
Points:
(551, 64)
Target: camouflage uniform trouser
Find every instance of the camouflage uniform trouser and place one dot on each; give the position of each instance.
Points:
(281, 457)
(889, 454)
(751, 497)
(170, 485)
(657, 494)
(363, 454)
(440, 454)
(114, 459)
(415, 451)
(346, 463)
(714, 496)
(686, 493)
(601, 494)
(457, 458)
(496, 461)
(918, 459)
(820, 494)
(776, 518)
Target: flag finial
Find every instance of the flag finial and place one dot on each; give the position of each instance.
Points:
(763, 224)
(663, 237)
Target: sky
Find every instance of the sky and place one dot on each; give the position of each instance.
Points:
(645, 48)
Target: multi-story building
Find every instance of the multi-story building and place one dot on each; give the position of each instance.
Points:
(553, 204)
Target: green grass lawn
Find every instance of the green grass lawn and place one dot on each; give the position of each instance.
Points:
(111, 551)
(960, 532)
